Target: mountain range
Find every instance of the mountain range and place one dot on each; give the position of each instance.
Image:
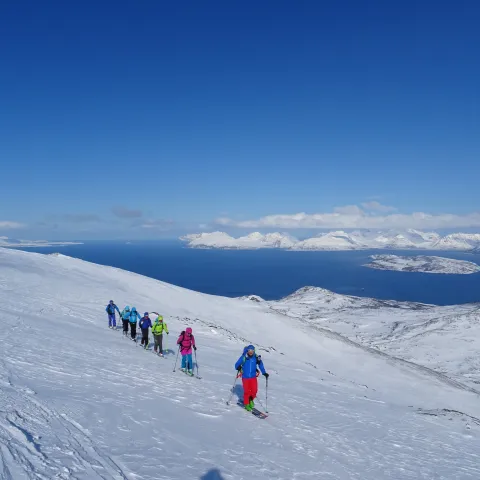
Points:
(339, 240)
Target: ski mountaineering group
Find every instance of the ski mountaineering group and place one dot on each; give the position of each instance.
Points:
(248, 366)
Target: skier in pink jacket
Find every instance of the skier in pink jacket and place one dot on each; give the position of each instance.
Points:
(186, 341)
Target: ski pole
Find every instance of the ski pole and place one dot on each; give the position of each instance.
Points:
(233, 389)
(166, 344)
(196, 363)
(178, 353)
(266, 395)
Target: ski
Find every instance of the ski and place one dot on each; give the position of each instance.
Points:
(190, 375)
(255, 411)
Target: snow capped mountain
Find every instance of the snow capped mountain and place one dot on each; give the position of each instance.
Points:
(210, 240)
(419, 237)
(279, 240)
(458, 241)
(339, 240)
(79, 401)
(445, 339)
(396, 241)
(254, 240)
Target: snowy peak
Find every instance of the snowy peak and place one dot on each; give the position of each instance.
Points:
(253, 241)
(337, 240)
(209, 240)
(459, 241)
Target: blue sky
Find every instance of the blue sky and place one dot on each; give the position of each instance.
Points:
(151, 119)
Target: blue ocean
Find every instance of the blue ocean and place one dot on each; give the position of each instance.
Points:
(273, 274)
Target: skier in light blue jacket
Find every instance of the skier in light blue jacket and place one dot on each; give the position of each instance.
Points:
(134, 317)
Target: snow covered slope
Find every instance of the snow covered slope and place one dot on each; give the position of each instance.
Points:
(78, 401)
(338, 240)
(458, 241)
(422, 263)
(446, 339)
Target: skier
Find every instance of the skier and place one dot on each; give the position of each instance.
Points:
(110, 309)
(186, 342)
(132, 319)
(159, 326)
(145, 324)
(125, 316)
(247, 367)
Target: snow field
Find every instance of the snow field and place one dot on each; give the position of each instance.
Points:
(79, 401)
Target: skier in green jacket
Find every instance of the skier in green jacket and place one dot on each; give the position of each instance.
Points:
(158, 328)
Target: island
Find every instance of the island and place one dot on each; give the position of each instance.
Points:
(423, 264)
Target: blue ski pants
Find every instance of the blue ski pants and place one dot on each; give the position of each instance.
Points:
(112, 321)
(187, 360)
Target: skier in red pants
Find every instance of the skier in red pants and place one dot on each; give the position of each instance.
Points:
(247, 365)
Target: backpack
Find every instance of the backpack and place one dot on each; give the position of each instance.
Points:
(110, 309)
(190, 340)
(126, 313)
(258, 359)
(158, 328)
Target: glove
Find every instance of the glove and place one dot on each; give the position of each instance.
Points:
(167, 333)
(266, 375)
(195, 348)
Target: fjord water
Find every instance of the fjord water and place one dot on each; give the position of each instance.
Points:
(273, 274)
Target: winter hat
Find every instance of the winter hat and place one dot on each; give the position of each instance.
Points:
(159, 319)
(145, 314)
(188, 330)
(247, 348)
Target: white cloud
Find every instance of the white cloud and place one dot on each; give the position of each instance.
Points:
(11, 225)
(375, 206)
(348, 217)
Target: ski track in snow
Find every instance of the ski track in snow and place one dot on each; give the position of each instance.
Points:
(79, 401)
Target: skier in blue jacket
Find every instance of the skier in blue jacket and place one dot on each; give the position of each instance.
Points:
(110, 309)
(145, 324)
(132, 319)
(125, 316)
(247, 367)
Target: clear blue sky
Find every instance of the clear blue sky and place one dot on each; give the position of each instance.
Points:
(151, 118)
